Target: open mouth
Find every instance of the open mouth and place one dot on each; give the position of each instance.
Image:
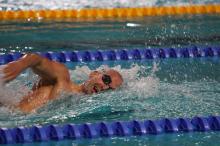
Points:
(95, 89)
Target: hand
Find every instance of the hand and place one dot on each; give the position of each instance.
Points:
(11, 71)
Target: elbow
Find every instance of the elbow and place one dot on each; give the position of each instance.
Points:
(32, 56)
(31, 59)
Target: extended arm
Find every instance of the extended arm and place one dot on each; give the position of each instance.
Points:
(48, 70)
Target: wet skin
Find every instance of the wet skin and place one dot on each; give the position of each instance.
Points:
(54, 79)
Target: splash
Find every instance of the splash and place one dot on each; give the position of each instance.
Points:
(145, 86)
(11, 93)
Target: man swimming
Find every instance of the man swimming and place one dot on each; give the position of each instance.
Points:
(55, 79)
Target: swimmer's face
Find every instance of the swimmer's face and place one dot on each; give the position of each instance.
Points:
(102, 80)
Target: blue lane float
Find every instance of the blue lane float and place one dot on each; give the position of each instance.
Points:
(107, 129)
(120, 54)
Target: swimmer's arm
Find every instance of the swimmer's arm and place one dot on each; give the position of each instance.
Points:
(45, 68)
(38, 98)
(13, 69)
(31, 104)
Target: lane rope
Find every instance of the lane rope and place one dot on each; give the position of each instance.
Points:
(121, 54)
(107, 129)
(72, 131)
(96, 13)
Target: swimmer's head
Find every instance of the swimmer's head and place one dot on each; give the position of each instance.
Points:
(102, 80)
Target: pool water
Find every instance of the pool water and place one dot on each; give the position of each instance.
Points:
(153, 88)
(140, 32)
(183, 139)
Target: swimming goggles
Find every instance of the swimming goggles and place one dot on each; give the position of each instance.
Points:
(106, 79)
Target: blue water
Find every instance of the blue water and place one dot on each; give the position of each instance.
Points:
(152, 89)
(183, 139)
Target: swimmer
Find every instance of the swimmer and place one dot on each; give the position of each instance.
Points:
(55, 79)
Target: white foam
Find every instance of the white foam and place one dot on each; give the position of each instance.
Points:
(144, 86)
(11, 93)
